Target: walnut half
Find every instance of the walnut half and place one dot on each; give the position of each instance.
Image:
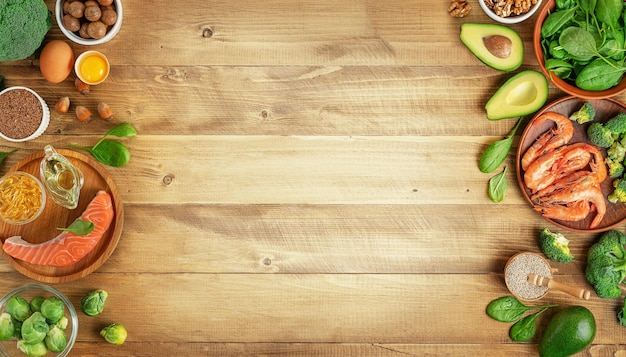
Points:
(459, 8)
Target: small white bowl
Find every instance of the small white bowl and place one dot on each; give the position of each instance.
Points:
(74, 37)
(511, 19)
(45, 117)
(82, 58)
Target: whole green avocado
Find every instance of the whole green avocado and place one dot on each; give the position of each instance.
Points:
(570, 331)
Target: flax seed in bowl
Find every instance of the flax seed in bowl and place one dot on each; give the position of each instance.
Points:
(24, 115)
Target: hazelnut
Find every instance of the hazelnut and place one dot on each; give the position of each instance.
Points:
(93, 13)
(97, 29)
(82, 32)
(109, 17)
(71, 23)
(76, 9)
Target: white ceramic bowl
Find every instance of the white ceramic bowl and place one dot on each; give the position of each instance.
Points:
(511, 19)
(84, 56)
(8, 348)
(45, 119)
(74, 37)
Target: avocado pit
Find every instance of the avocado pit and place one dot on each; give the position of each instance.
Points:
(498, 45)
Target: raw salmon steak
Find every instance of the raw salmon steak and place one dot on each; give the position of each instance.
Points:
(67, 248)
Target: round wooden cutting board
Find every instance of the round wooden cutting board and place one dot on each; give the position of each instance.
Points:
(54, 216)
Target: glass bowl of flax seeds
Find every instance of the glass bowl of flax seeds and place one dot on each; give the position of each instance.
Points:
(24, 115)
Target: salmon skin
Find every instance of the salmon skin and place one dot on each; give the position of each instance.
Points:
(67, 248)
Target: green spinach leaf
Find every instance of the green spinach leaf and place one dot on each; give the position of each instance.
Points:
(79, 227)
(509, 309)
(557, 20)
(111, 152)
(496, 152)
(579, 43)
(525, 328)
(609, 12)
(599, 75)
(4, 155)
(498, 185)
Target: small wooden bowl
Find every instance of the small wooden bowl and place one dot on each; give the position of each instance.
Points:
(541, 291)
(563, 85)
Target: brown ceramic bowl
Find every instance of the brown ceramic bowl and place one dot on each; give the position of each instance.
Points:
(563, 85)
(605, 109)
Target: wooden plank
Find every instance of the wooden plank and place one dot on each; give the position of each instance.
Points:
(305, 308)
(401, 239)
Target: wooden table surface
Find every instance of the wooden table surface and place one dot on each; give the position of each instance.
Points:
(304, 182)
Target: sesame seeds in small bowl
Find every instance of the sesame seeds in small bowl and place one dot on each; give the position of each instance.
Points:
(24, 115)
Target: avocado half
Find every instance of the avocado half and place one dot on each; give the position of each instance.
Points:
(497, 46)
(522, 94)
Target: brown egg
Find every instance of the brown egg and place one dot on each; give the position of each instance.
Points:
(56, 61)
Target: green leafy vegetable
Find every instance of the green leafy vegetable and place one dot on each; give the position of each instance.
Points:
(525, 328)
(589, 35)
(496, 152)
(498, 185)
(509, 309)
(111, 152)
(4, 155)
(79, 227)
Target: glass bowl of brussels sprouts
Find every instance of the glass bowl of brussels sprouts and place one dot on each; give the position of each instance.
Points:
(37, 320)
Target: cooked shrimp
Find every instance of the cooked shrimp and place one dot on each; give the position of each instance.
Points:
(598, 165)
(573, 211)
(592, 194)
(553, 138)
(556, 164)
(563, 183)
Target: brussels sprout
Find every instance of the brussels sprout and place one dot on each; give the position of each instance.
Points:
(62, 323)
(52, 309)
(114, 333)
(7, 327)
(18, 308)
(93, 303)
(56, 339)
(32, 349)
(17, 332)
(35, 303)
(34, 328)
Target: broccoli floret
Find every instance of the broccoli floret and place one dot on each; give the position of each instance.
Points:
(619, 191)
(585, 114)
(616, 168)
(555, 246)
(621, 314)
(606, 264)
(23, 25)
(617, 151)
(600, 135)
(617, 124)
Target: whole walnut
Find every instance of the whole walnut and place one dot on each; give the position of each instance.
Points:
(105, 2)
